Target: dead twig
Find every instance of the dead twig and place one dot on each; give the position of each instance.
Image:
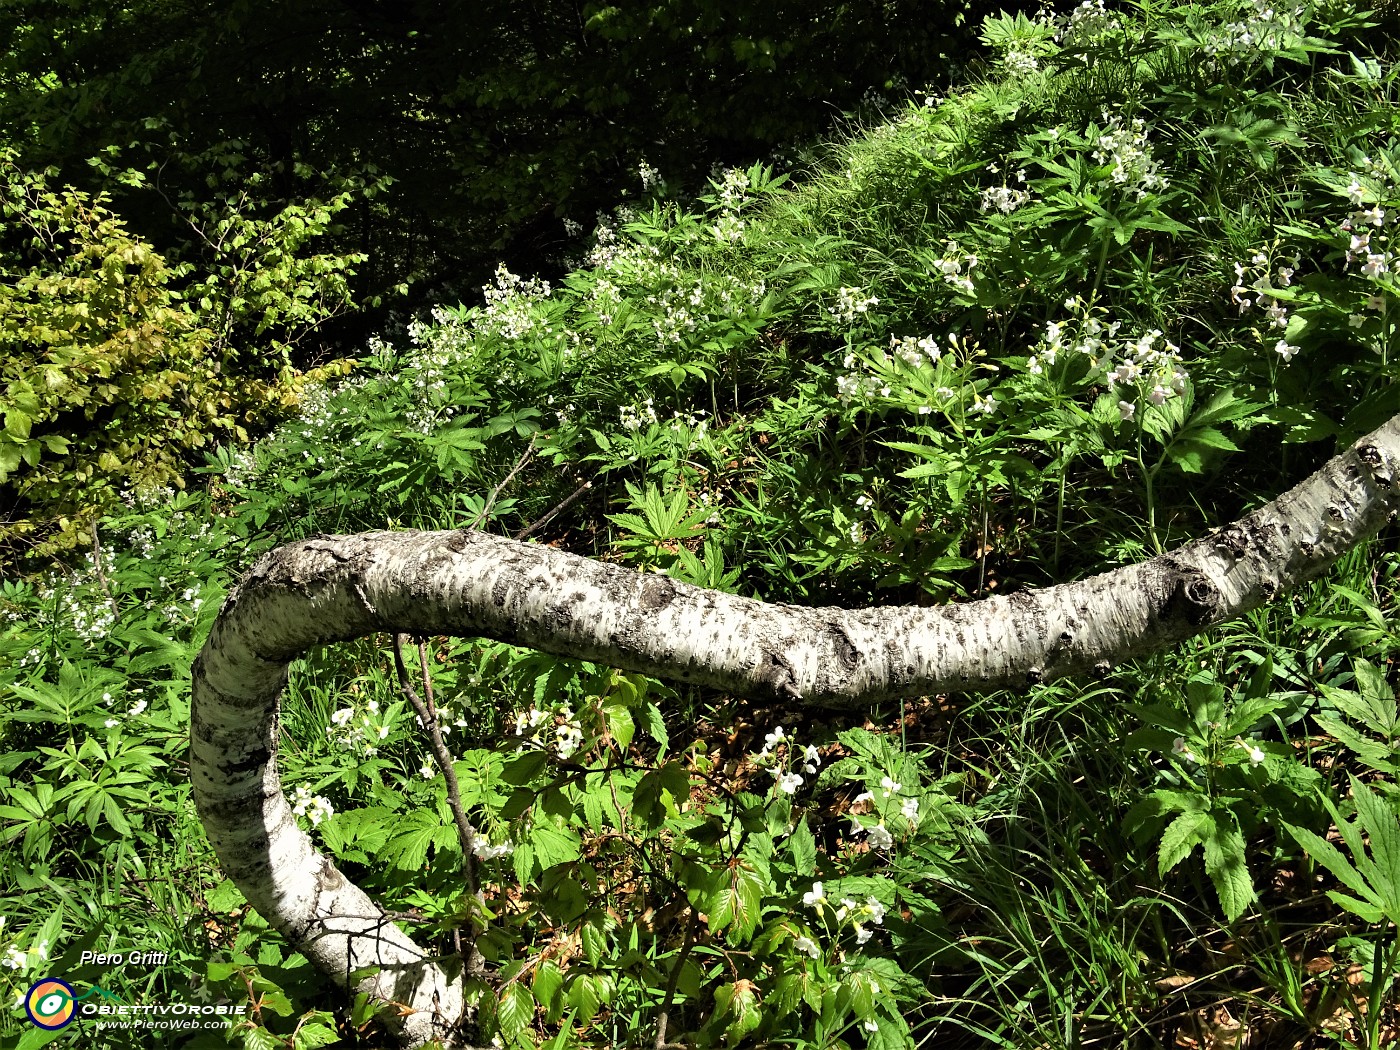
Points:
(491, 499)
(567, 502)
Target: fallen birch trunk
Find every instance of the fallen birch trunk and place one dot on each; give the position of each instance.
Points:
(466, 583)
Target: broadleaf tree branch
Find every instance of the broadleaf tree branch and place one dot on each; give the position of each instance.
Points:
(464, 583)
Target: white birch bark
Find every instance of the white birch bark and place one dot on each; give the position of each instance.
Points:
(466, 583)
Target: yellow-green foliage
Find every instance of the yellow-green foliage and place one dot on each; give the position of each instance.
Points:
(108, 378)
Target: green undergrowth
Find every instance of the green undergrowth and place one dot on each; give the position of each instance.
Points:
(1132, 283)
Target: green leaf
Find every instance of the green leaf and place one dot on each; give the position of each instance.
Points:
(548, 981)
(408, 848)
(594, 941)
(553, 845)
(315, 1034)
(738, 900)
(620, 724)
(1225, 864)
(803, 846)
(523, 861)
(1326, 854)
(656, 725)
(515, 1010)
(524, 769)
(739, 1003)
(17, 424)
(1179, 839)
(1383, 832)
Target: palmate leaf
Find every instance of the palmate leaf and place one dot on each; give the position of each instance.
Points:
(1374, 878)
(408, 849)
(1199, 435)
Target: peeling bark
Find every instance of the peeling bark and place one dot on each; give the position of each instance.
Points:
(466, 583)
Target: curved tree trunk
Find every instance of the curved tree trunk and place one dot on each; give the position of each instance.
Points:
(467, 583)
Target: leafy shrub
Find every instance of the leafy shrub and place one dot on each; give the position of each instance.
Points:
(111, 379)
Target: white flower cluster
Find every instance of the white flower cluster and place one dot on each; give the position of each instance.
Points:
(606, 299)
(1020, 63)
(788, 780)
(315, 808)
(187, 608)
(14, 958)
(733, 189)
(673, 315)
(1127, 151)
(137, 708)
(879, 836)
(1085, 24)
(242, 469)
(1143, 361)
(483, 850)
(1004, 198)
(1149, 362)
(359, 729)
(861, 381)
(147, 497)
(1263, 26)
(610, 250)
(1259, 277)
(915, 351)
(650, 176)
(1368, 226)
(447, 720)
(872, 912)
(533, 724)
(89, 621)
(634, 417)
(851, 304)
(511, 303)
(952, 266)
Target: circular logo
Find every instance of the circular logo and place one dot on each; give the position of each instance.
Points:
(50, 1003)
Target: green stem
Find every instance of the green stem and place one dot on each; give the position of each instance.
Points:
(1380, 984)
(1149, 477)
(1060, 515)
(1098, 274)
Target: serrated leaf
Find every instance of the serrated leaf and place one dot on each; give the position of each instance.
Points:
(620, 725)
(523, 861)
(522, 770)
(1326, 854)
(583, 996)
(594, 941)
(1375, 754)
(313, 1035)
(553, 845)
(738, 1002)
(737, 901)
(1179, 839)
(515, 1010)
(1383, 831)
(260, 1039)
(408, 848)
(1225, 864)
(656, 725)
(547, 983)
(803, 847)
